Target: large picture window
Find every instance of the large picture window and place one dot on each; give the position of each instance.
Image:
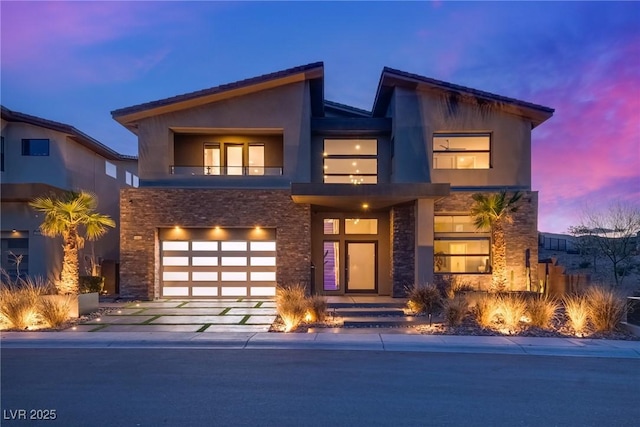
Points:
(459, 247)
(462, 151)
(350, 161)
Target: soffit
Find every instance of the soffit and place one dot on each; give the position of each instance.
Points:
(374, 196)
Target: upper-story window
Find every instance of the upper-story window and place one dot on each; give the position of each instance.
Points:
(462, 151)
(131, 179)
(110, 169)
(459, 246)
(350, 161)
(233, 159)
(35, 147)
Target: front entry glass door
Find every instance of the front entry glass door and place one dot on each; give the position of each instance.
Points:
(361, 267)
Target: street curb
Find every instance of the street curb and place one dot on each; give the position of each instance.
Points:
(564, 347)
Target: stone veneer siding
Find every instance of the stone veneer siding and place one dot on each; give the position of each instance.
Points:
(402, 219)
(144, 210)
(521, 235)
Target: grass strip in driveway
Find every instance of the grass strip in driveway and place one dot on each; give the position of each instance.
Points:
(244, 320)
(204, 327)
(148, 321)
(225, 311)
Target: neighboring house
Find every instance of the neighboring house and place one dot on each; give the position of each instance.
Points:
(263, 181)
(41, 158)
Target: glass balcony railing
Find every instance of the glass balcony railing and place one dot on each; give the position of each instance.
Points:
(227, 170)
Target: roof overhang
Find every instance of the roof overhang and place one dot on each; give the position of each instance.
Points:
(391, 79)
(73, 133)
(130, 115)
(365, 197)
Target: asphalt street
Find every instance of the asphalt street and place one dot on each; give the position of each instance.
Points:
(213, 387)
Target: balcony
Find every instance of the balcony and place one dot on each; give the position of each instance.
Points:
(226, 170)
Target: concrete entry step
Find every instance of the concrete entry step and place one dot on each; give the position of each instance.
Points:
(368, 312)
(351, 304)
(384, 322)
(364, 301)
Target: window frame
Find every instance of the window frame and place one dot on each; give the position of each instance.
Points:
(353, 178)
(27, 147)
(453, 236)
(436, 149)
(111, 169)
(223, 169)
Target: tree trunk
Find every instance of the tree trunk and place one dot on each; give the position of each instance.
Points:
(69, 277)
(499, 278)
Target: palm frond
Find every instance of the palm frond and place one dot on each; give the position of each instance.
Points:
(96, 225)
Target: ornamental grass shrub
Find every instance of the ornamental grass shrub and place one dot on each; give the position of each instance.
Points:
(19, 304)
(577, 310)
(542, 311)
(316, 308)
(450, 286)
(424, 299)
(605, 309)
(54, 311)
(511, 308)
(486, 309)
(291, 304)
(455, 309)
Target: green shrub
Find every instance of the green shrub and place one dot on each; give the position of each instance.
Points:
(541, 311)
(316, 308)
(605, 309)
(291, 304)
(424, 299)
(88, 284)
(54, 311)
(455, 309)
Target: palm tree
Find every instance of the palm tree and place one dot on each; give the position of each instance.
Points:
(492, 212)
(64, 216)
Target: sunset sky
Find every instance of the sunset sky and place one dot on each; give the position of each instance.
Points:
(75, 62)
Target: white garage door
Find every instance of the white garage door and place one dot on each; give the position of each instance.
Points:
(205, 263)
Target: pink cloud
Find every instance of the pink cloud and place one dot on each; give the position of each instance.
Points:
(590, 149)
(81, 42)
(68, 24)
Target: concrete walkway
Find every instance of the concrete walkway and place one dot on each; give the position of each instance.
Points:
(328, 341)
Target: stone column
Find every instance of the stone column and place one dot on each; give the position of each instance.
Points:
(402, 249)
(424, 241)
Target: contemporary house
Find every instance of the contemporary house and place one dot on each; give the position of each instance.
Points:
(263, 181)
(40, 158)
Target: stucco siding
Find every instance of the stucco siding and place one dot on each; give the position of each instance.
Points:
(420, 114)
(285, 108)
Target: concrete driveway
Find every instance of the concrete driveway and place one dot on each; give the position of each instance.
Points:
(215, 315)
